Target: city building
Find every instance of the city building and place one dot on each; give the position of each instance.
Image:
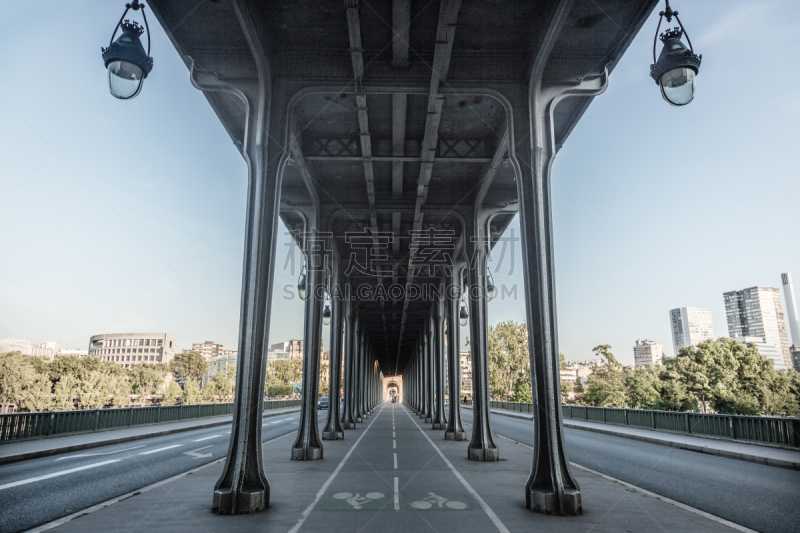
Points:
(647, 353)
(208, 349)
(690, 326)
(221, 362)
(128, 349)
(795, 351)
(791, 308)
(578, 371)
(465, 357)
(767, 350)
(50, 349)
(758, 312)
(294, 347)
(77, 352)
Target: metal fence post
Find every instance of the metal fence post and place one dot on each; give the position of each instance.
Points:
(731, 428)
(604, 414)
(653, 419)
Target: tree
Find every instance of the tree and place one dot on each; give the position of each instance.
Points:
(17, 374)
(223, 384)
(189, 365)
(145, 378)
(508, 359)
(191, 391)
(65, 392)
(562, 362)
(605, 386)
(641, 388)
(170, 394)
(39, 394)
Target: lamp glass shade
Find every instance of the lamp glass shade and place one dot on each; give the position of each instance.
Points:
(125, 79)
(326, 315)
(463, 316)
(677, 86)
(301, 287)
(490, 291)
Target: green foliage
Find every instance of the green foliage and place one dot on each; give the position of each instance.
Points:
(508, 359)
(606, 384)
(145, 379)
(522, 392)
(17, 375)
(279, 390)
(280, 376)
(170, 394)
(64, 392)
(191, 392)
(189, 365)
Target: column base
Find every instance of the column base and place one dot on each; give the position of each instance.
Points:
(247, 501)
(455, 435)
(306, 454)
(440, 426)
(428, 419)
(332, 435)
(545, 501)
(348, 425)
(483, 454)
(358, 420)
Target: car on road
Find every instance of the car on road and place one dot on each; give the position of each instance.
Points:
(323, 402)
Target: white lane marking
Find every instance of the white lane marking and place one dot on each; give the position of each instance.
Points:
(488, 510)
(101, 453)
(396, 496)
(395, 461)
(327, 483)
(161, 449)
(101, 505)
(194, 453)
(393, 435)
(56, 474)
(206, 438)
(394, 444)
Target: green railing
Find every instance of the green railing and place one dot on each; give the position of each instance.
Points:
(783, 432)
(26, 426)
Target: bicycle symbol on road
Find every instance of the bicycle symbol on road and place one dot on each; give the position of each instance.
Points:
(431, 500)
(363, 500)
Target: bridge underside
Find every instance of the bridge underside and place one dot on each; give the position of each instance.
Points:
(398, 139)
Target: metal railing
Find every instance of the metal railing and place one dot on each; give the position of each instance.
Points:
(775, 431)
(26, 426)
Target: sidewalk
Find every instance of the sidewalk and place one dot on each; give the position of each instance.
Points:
(392, 474)
(753, 453)
(24, 450)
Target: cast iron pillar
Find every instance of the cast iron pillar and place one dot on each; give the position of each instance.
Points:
(243, 486)
(454, 430)
(428, 357)
(308, 445)
(439, 417)
(357, 370)
(482, 446)
(348, 415)
(333, 427)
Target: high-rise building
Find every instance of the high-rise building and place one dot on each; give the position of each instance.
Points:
(795, 351)
(647, 353)
(767, 350)
(127, 349)
(791, 308)
(208, 349)
(465, 361)
(758, 312)
(690, 326)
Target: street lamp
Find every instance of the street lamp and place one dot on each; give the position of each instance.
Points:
(463, 316)
(127, 62)
(677, 66)
(491, 290)
(301, 284)
(326, 315)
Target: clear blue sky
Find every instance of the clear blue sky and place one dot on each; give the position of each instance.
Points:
(129, 216)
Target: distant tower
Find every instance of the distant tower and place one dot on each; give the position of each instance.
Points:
(791, 307)
(758, 312)
(690, 326)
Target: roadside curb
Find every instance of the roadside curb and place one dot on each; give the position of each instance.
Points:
(88, 445)
(778, 463)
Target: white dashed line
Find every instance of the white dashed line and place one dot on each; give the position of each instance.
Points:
(396, 496)
(55, 474)
(206, 438)
(161, 449)
(395, 461)
(394, 444)
(101, 453)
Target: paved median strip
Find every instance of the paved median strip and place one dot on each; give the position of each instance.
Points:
(55, 474)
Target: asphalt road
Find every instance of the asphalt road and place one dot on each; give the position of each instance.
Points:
(40, 490)
(763, 498)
